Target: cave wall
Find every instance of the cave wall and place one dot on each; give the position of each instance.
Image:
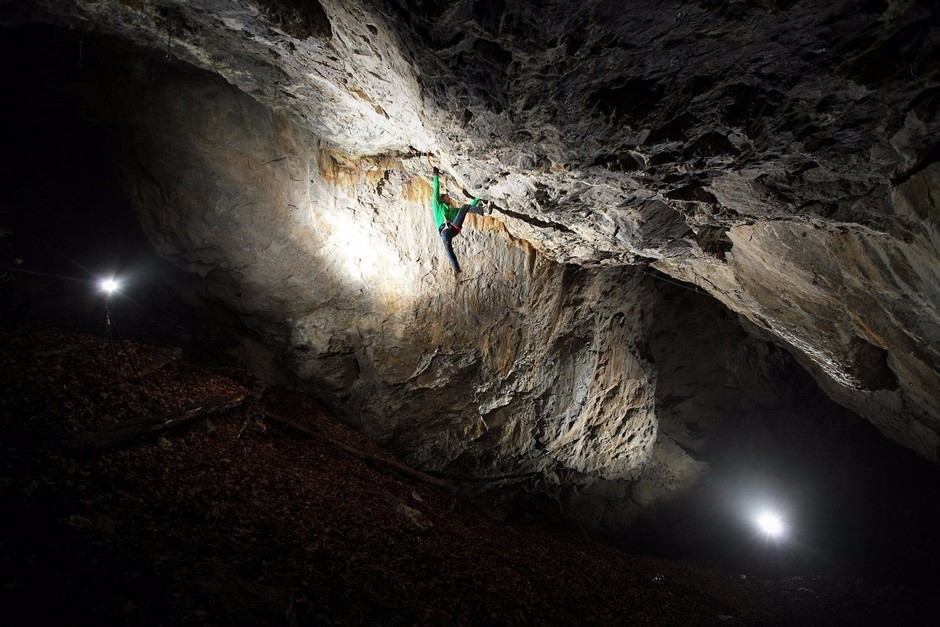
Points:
(519, 365)
(778, 155)
(813, 295)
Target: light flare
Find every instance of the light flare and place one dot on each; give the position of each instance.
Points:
(771, 524)
(109, 285)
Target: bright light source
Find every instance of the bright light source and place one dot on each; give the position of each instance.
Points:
(771, 524)
(108, 285)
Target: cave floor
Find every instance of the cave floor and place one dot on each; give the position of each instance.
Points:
(237, 518)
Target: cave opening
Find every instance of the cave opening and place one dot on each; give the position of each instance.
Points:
(68, 220)
(853, 501)
(858, 503)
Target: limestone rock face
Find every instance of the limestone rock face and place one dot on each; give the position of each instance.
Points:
(519, 364)
(777, 154)
(782, 156)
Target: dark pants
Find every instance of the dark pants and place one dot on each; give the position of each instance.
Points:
(450, 230)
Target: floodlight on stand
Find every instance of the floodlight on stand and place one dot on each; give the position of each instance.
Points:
(109, 286)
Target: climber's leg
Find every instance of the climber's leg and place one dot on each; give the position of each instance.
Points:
(462, 213)
(448, 233)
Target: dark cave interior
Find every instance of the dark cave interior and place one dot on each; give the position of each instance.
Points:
(858, 503)
(69, 220)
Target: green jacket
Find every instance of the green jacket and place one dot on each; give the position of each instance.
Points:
(442, 211)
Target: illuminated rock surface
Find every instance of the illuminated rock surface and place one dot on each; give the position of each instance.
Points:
(781, 156)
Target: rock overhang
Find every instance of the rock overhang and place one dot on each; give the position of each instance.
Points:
(799, 192)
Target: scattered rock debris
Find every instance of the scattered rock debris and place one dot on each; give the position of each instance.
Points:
(242, 521)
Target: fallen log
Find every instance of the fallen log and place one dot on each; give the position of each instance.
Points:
(140, 427)
(391, 464)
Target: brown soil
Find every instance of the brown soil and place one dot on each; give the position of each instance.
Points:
(239, 520)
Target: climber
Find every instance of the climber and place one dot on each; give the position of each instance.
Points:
(449, 219)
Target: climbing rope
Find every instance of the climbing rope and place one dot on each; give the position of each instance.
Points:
(696, 289)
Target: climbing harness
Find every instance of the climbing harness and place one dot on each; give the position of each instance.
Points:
(449, 226)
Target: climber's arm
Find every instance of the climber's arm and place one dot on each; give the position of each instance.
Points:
(437, 206)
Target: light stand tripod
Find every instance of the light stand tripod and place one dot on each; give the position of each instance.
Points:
(114, 334)
(110, 327)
